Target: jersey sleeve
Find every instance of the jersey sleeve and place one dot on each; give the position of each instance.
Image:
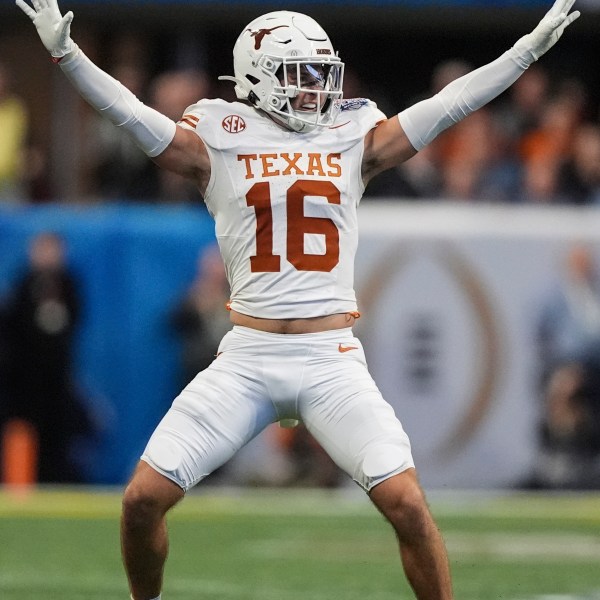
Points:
(199, 117)
(213, 121)
(191, 116)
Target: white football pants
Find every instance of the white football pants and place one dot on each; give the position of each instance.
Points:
(259, 378)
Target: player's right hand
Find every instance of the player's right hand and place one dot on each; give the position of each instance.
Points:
(54, 29)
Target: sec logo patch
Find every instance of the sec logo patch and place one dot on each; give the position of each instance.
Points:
(233, 124)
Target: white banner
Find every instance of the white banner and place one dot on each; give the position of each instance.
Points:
(450, 296)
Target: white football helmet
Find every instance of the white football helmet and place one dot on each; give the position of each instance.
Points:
(281, 56)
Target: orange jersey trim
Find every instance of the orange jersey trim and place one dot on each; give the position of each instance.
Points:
(190, 120)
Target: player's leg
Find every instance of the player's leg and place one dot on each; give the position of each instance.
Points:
(370, 445)
(402, 501)
(344, 410)
(144, 539)
(220, 411)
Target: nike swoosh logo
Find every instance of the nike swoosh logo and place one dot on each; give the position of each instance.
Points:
(346, 348)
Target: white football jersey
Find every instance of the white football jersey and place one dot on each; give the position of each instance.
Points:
(285, 206)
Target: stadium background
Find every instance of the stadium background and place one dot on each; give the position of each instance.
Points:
(125, 254)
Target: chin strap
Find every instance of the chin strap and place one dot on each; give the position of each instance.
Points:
(229, 78)
(239, 86)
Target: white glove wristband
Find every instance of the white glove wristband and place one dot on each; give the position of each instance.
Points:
(151, 130)
(548, 31)
(54, 29)
(424, 121)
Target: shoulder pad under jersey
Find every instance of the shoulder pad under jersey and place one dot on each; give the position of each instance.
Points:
(356, 118)
(219, 123)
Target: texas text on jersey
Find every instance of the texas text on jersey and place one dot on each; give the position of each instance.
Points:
(285, 206)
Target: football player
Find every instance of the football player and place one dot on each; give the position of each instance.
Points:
(282, 171)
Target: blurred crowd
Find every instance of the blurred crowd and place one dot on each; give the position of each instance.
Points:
(537, 143)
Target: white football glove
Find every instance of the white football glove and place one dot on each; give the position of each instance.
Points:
(549, 30)
(54, 29)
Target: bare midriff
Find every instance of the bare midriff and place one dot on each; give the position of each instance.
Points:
(312, 325)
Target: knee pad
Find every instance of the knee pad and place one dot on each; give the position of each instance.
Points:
(383, 460)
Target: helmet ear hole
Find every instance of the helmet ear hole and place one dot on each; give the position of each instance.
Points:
(253, 80)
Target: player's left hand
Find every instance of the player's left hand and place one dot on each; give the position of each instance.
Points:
(549, 29)
(54, 29)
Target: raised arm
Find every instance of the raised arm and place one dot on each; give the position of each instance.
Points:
(397, 139)
(171, 147)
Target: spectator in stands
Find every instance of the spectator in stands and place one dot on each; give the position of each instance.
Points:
(13, 141)
(40, 320)
(545, 149)
(580, 176)
(569, 452)
(514, 115)
(569, 326)
(569, 342)
(518, 112)
(465, 155)
(539, 182)
(199, 318)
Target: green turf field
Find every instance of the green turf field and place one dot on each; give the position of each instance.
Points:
(298, 545)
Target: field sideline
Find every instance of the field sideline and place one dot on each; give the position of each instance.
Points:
(267, 544)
